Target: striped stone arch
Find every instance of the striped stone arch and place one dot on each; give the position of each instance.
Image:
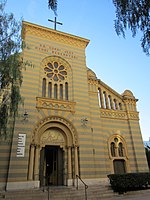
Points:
(67, 129)
(64, 133)
(55, 58)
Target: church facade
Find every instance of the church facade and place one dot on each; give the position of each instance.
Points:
(71, 122)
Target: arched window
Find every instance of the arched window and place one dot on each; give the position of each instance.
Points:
(120, 149)
(120, 106)
(109, 101)
(66, 91)
(44, 88)
(113, 154)
(61, 91)
(55, 81)
(55, 91)
(99, 97)
(50, 90)
(104, 97)
(117, 147)
(115, 104)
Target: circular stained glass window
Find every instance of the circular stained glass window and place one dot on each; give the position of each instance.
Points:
(55, 71)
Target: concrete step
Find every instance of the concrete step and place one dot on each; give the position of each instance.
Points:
(96, 192)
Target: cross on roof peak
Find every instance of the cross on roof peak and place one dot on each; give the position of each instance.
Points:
(55, 22)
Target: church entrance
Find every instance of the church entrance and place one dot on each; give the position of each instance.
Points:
(54, 153)
(51, 166)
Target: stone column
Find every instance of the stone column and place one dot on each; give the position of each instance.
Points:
(58, 91)
(31, 162)
(36, 163)
(64, 92)
(69, 163)
(116, 104)
(106, 100)
(111, 103)
(52, 96)
(76, 160)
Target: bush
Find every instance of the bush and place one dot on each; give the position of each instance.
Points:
(128, 182)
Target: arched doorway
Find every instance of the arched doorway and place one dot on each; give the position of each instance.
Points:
(54, 153)
(52, 157)
(52, 166)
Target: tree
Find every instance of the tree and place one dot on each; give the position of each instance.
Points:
(130, 14)
(10, 68)
(135, 15)
(52, 4)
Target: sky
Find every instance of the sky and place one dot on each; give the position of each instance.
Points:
(118, 62)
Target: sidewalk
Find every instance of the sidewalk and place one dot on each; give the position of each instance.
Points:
(139, 195)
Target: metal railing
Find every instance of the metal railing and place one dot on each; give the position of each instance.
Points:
(85, 186)
(46, 186)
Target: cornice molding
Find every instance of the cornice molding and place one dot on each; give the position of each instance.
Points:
(54, 35)
(115, 114)
(101, 83)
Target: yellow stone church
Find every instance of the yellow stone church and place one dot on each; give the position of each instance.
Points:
(72, 123)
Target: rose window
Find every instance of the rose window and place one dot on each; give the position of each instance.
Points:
(55, 71)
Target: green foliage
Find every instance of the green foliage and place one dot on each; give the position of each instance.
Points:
(3, 118)
(134, 15)
(10, 67)
(128, 182)
(130, 14)
(52, 4)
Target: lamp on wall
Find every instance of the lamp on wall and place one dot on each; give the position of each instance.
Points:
(25, 115)
(84, 121)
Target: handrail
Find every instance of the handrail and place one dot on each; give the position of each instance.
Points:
(85, 185)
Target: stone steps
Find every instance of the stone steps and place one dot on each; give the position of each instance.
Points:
(61, 193)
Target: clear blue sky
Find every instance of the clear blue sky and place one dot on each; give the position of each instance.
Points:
(118, 62)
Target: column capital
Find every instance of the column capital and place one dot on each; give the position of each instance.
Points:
(32, 145)
(68, 147)
(37, 146)
(75, 146)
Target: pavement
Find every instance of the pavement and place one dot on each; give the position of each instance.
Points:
(132, 195)
(143, 195)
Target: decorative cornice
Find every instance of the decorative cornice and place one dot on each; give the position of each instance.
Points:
(130, 101)
(113, 114)
(93, 81)
(54, 35)
(133, 115)
(118, 114)
(53, 104)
